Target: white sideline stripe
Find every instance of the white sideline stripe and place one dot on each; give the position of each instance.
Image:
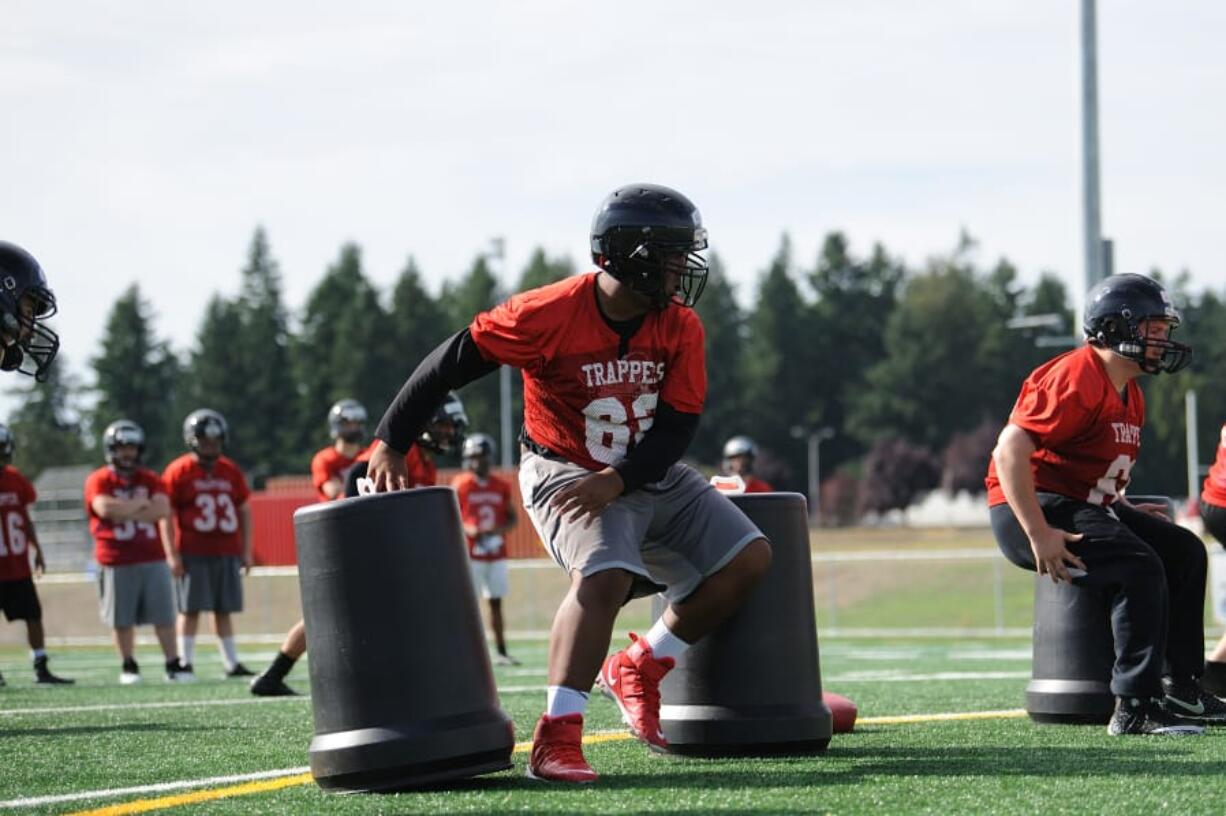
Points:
(890, 677)
(161, 787)
(18, 712)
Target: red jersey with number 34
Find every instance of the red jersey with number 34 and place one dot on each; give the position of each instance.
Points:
(16, 494)
(117, 543)
(1086, 433)
(206, 505)
(586, 398)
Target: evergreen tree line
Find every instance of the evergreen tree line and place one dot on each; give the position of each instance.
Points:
(909, 372)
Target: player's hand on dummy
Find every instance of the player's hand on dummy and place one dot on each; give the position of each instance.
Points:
(1153, 509)
(1051, 554)
(387, 470)
(40, 566)
(176, 565)
(587, 498)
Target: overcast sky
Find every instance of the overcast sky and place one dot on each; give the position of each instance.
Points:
(144, 141)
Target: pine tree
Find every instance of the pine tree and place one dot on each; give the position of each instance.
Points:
(47, 427)
(477, 291)
(727, 405)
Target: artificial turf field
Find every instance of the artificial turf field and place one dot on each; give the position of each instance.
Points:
(98, 736)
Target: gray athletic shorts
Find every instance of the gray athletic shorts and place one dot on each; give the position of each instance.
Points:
(135, 594)
(210, 583)
(672, 534)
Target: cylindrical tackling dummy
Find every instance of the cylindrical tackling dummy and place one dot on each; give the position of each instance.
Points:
(401, 684)
(754, 685)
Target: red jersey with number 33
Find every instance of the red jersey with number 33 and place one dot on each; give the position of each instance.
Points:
(16, 494)
(117, 543)
(206, 505)
(1086, 433)
(585, 397)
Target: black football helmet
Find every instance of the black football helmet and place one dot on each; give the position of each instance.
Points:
(27, 344)
(478, 453)
(123, 432)
(347, 411)
(204, 423)
(444, 432)
(642, 231)
(1115, 312)
(7, 445)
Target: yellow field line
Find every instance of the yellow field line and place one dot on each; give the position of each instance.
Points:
(146, 805)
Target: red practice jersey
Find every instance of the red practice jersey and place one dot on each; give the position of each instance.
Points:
(16, 494)
(755, 485)
(585, 398)
(1214, 490)
(326, 465)
(483, 504)
(422, 470)
(117, 543)
(206, 505)
(1086, 434)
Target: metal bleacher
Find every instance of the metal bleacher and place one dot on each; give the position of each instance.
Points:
(59, 517)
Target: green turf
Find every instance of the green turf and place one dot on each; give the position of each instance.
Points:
(994, 766)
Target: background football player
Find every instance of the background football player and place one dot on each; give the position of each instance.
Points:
(18, 597)
(1213, 511)
(740, 452)
(209, 537)
(614, 382)
(487, 514)
(125, 502)
(27, 344)
(1055, 488)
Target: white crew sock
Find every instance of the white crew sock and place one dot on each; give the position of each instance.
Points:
(37, 653)
(561, 701)
(187, 649)
(229, 652)
(664, 643)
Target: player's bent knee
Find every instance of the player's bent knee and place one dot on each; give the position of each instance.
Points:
(607, 588)
(753, 562)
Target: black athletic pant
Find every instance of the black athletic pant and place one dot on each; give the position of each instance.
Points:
(1154, 572)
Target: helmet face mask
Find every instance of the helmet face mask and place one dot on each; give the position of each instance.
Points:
(27, 344)
(1133, 316)
(124, 444)
(651, 238)
(444, 432)
(347, 421)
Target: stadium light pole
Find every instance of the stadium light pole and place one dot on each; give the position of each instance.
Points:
(1094, 267)
(499, 250)
(815, 437)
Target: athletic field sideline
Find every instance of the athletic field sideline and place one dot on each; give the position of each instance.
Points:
(941, 731)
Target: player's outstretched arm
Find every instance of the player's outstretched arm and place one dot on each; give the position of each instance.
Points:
(1049, 545)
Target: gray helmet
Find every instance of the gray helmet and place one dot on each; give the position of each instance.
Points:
(478, 445)
(204, 423)
(740, 446)
(346, 410)
(123, 432)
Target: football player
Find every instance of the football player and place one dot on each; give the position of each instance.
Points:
(739, 455)
(1213, 511)
(1056, 491)
(487, 515)
(329, 469)
(18, 597)
(27, 344)
(614, 382)
(209, 537)
(125, 502)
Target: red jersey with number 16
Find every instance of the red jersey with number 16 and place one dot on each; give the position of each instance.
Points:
(206, 505)
(1086, 433)
(586, 397)
(16, 494)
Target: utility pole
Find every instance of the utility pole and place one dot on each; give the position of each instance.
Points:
(1094, 270)
(506, 442)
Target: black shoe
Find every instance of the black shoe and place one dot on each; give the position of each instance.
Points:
(1188, 701)
(2, 683)
(1134, 715)
(179, 672)
(1214, 678)
(240, 670)
(43, 675)
(265, 686)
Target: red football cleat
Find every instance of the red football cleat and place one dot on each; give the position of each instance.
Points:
(631, 678)
(557, 751)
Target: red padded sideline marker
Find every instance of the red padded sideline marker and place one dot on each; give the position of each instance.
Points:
(842, 710)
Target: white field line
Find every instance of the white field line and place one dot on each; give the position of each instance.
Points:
(161, 787)
(20, 712)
